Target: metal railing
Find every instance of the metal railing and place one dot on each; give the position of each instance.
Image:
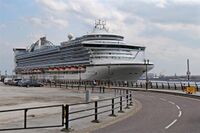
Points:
(151, 84)
(25, 120)
(123, 100)
(167, 85)
(119, 103)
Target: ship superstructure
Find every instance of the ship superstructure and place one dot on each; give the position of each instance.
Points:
(99, 55)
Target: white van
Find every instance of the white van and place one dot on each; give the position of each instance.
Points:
(7, 81)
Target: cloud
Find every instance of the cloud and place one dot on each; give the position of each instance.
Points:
(57, 5)
(161, 3)
(2, 26)
(48, 22)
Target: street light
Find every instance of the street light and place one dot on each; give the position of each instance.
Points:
(146, 62)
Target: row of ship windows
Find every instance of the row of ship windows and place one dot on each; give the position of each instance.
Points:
(49, 62)
(57, 49)
(112, 57)
(59, 57)
(54, 55)
(112, 53)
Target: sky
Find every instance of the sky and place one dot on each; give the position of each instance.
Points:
(169, 29)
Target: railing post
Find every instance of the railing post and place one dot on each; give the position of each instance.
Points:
(121, 105)
(127, 104)
(25, 118)
(131, 101)
(168, 85)
(156, 85)
(63, 115)
(92, 88)
(151, 84)
(85, 86)
(78, 85)
(113, 108)
(182, 87)
(141, 84)
(196, 86)
(175, 86)
(66, 85)
(162, 86)
(96, 113)
(67, 117)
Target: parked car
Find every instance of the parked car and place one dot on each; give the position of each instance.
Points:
(15, 81)
(28, 83)
(7, 81)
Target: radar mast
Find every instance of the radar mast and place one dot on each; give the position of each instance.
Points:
(100, 25)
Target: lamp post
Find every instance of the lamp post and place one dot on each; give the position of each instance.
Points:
(146, 62)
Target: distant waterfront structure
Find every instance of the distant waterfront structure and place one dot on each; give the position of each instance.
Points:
(188, 69)
(99, 55)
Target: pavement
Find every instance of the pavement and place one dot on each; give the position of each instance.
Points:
(12, 97)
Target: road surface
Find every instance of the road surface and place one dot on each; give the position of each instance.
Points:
(160, 113)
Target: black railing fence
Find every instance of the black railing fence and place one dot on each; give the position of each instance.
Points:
(25, 121)
(167, 85)
(140, 84)
(72, 112)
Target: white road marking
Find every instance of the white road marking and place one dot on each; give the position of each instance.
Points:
(178, 107)
(163, 99)
(180, 113)
(171, 124)
(171, 102)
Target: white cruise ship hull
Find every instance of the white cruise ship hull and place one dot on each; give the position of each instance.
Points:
(113, 72)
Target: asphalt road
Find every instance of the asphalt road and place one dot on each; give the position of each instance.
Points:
(160, 113)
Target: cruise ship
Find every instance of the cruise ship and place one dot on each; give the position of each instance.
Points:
(98, 55)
